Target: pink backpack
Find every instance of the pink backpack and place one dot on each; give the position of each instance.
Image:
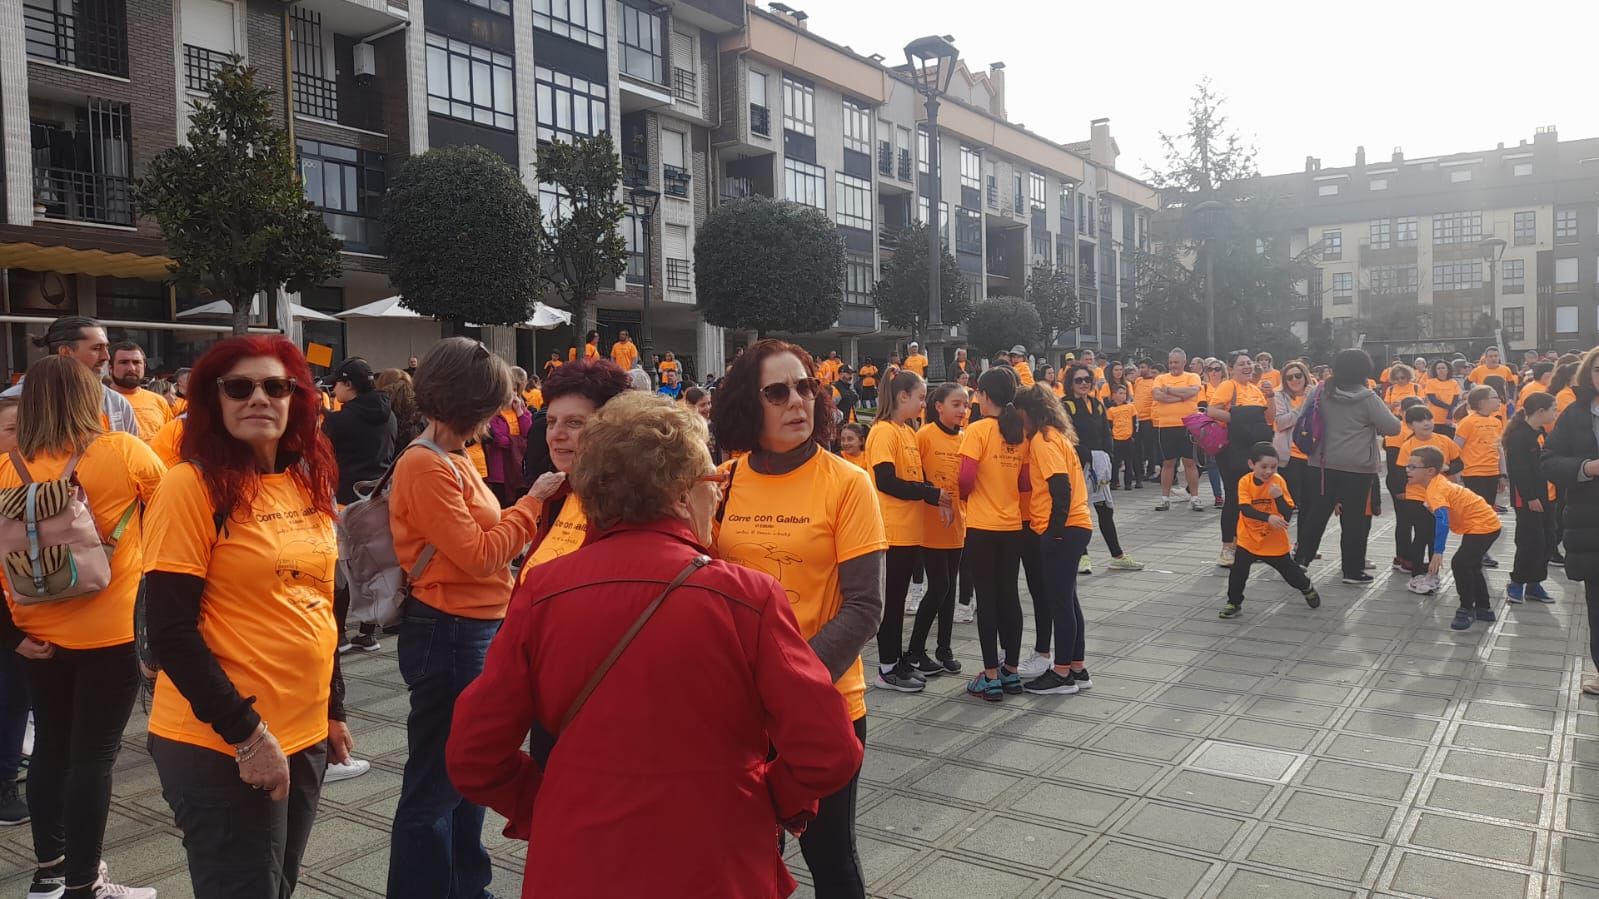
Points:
(49, 544)
(1209, 434)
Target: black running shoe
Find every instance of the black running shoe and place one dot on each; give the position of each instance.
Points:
(1052, 683)
(50, 882)
(13, 809)
(923, 665)
(947, 659)
(1084, 682)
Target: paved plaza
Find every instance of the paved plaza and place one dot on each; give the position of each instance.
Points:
(1363, 749)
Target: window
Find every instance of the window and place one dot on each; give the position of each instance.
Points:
(1521, 169)
(569, 106)
(581, 20)
(1565, 319)
(943, 216)
(1406, 229)
(1343, 288)
(1456, 275)
(1332, 242)
(805, 183)
(968, 230)
(348, 186)
(922, 151)
(760, 115)
(854, 202)
(1036, 187)
(674, 162)
(641, 51)
(1566, 275)
(1459, 175)
(470, 83)
(1377, 184)
(555, 204)
(1513, 320)
(1393, 280)
(971, 168)
(1327, 190)
(1456, 227)
(503, 7)
(1382, 234)
(1515, 279)
(1525, 229)
(1565, 225)
(858, 281)
(799, 106)
(632, 238)
(857, 127)
(1042, 244)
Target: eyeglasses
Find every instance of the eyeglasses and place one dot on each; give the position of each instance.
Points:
(1296, 376)
(242, 388)
(1082, 380)
(1415, 466)
(778, 394)
(716, 477)
(1216, 368)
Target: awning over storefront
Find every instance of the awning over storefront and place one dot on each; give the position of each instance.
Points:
(70, 261)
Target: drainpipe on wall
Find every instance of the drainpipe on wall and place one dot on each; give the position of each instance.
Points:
(288, 76)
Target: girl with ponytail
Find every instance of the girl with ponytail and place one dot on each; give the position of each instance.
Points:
(992, 451)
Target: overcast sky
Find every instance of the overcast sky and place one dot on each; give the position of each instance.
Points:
(1301, 79)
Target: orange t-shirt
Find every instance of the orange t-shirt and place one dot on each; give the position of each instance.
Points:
(896, 444)
(1230, 395)
(624, 354)
(1564, 398)
(1049, 453)
(267, 610)
(118, 471)
(1121, 421)
(1482, 373)
(1396, 394)
(1143, 398)
(1446, 391)
(941, 464)
(854, 458)
(1398, 440)
(150, 409)
(1437, 441)
(800, 527)
(168, 442)
(1293, 448)
(1534, 387)
(1024, 373)
(1273, 377)
(1259, 537)
(916, 362)
(180, 405)
(995, 503)
(1170, 415)
(439, 502)
(1478, 438)
(590, 351)
(566, 535)
(827, 370)
(1468, 512)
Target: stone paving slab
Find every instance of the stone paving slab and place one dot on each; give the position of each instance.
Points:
(1360, 750)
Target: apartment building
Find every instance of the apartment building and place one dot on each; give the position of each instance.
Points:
(811, 121)
(1455, 244)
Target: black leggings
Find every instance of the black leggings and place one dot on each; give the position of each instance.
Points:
(1534, 537)
(996, 557)
(81, 702)
(943, 566)
(1296, 473)
(1415, 524)
(1243, 560)
(1107, 527)
(1329, 488)
(898, 564)
(1467, 566)
(1485, 486)
(1058, 559)
(1033, 573)
(1232, 471)
(828, 843)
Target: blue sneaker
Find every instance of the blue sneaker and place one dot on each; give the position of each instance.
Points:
(987, 687)
(1010, 681)
(1463, 620)
(1514, 591)
(1536, 591)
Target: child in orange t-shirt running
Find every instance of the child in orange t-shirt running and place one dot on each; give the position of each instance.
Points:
(1457, 508)
(1264, 508)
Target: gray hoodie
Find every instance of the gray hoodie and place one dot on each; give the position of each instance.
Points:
(1354, 418)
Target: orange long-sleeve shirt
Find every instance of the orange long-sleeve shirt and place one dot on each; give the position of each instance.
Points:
(474, 541)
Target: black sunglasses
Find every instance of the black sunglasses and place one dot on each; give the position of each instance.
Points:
(242, 388)
(778, 394)
(1217, 368)
(1084, 380)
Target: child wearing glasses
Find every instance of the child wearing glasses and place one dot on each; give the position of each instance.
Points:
(1457, 508)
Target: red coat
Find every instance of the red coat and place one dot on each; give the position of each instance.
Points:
(661, 786)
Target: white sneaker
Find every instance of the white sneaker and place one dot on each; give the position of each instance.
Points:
(1085, 565)
(346, 770)
(1422, 585)
(1196, 504)
(105, 889)
(1035, 665)
(1126, 563)
(965, 613)
(1225, 560)
(1164, 504)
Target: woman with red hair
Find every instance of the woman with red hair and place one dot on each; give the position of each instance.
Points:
(248, 706)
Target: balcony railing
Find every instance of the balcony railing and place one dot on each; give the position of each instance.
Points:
(685, 85)
(83, 196)
(904, 165)
(679, 276)
(675, 180)
(737, 188)
(888, 237)
(94, 39)
(316, 97)
(359, 233)
(760, 120)
(635, 171)
(885, 157)
(201, 66)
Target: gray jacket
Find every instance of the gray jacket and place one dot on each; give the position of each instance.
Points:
(1354, 418)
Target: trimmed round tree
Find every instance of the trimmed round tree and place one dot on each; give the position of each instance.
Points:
(902, 294)
(763, 265)
(463, 237)
(1000, 323)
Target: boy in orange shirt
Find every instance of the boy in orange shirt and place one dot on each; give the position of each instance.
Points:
(1122, 416)
(1415, 525)
(1264, 508)
(1479, 436)
(1143, 397)
(1457, 508)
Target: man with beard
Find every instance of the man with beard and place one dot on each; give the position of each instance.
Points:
(150, 409)
(85, 340)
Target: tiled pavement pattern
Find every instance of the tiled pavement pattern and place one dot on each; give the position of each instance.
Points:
(1360, 750)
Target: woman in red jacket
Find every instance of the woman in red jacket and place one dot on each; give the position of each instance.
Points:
(698, 813)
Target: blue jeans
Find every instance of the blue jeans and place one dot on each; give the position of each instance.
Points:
(436, 849)
(14, 705)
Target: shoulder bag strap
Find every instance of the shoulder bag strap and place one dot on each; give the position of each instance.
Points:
(721, 507)
(21, 466)
(644, 617)
(428, 549)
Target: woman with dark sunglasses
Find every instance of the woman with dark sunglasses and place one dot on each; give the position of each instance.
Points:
(1242, 404)
(1214, 374)
(810, 519)
(248, 708)
(1287, 402)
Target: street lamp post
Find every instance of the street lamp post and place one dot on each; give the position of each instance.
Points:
(931, 61)
(644, 202)
(1206, 213)
(1493, 250)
